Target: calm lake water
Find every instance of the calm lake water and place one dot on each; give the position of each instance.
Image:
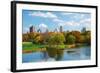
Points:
(83, 53)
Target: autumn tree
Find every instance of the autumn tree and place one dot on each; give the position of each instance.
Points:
(77, 35)
(54, 41)
(57, 38)
(87, 37)
(70, 39)
(38, 39)
(25, 37)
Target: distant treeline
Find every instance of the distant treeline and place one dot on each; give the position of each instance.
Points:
(58, 37)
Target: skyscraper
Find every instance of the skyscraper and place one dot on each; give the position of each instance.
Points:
(83, 29)
(47, 30)
(32, 29)
(39, 30)
(56, 30)
(61, 29)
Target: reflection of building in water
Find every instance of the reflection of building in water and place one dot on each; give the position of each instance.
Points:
(45, 55)
(32, 29)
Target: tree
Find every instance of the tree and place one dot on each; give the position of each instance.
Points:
(25, 38)
(71, 39)
(66, 35)
(56, 39)
(38, 39)
(87, 37)
(33, 36)
(77, 35)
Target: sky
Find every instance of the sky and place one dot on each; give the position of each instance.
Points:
(52, 20)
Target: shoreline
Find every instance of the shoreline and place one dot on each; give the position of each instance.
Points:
(44, 49)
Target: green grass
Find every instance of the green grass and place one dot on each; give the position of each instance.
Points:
(30, 46)
(59, 46)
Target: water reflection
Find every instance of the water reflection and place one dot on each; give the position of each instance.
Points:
(59, 55)
(53, 54)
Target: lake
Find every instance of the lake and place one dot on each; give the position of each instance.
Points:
(82, 53)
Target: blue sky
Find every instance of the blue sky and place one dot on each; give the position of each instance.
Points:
(52, 20)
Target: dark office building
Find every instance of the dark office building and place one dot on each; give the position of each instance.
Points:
(61, 29)
(32, 29)
(39, 30)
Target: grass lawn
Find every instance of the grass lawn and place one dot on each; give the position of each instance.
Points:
(31, 46)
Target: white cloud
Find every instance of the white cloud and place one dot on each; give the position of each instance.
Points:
(30, 25)
(81, 21)
(64, 23)
(44, 15)
(58, 20)
(79, 16)
(72, 23)
(49, 14)
(25, 30)
(69, 23)
(67, 13)
(61, 24)
(43, 26)
(86, 21)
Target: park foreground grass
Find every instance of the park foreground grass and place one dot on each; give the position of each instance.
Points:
(29, 47)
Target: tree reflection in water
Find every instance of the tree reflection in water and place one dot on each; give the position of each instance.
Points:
(55, 53)
(59, 54)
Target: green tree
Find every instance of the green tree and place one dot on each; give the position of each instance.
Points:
(70, 39)
(56, 39)
(87, 37)
(34, 37)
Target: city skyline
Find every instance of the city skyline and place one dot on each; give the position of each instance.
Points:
(52, 20)
(33, 29)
